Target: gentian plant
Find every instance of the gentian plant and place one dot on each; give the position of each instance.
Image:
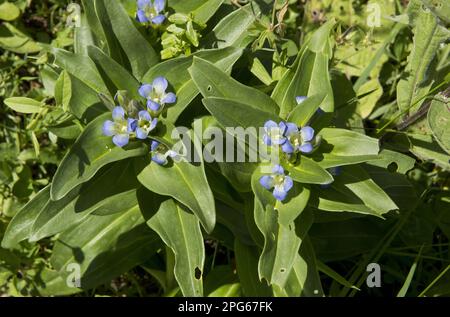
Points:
(310, 173)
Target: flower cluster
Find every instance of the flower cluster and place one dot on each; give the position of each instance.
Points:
(278, 181)
(292, 140)
(124, 126)
(151, 11)
(290, 137)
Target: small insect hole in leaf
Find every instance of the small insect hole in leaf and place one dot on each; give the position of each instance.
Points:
(198, 273)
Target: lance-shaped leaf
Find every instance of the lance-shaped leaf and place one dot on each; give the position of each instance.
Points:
(20, 226)
(439, 123)
(309, 172)
(362, 193)
(140, 53)
(118, 75)
(176, 73)
(304, 279)
(233, 30)
(213, 82)
(418, 79)
(345, 147)
(180, 231)
(186, 182)
(82, 67)
(91, 151)
(308, 75)
(105, 246)
(62, 214)
(302, 113)
(247, 269)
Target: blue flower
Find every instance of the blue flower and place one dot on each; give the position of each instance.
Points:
(300, 99)
(280, 182)
(144, 124)
(150, 11)
(120, 128)
(160, 153)
(274, 133)
(156, 95)
(298, 140)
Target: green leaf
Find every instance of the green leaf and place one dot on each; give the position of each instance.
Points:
(201, 10)
(118, 75)
(213, 82)
(281, 243)
(187, 183)
(140, 53)
(180, 230)
(302, 114)
(9, 11)
(373, 200)
(439, 123)
(84, 104)
(82, 67)
(428, 35)
(221, 281)
(176, 73)
(83, 36)
(24, 105)
(14, 40)
(304, 279)
(91, 151)
(308, 76)
(344, 147)
(105, 246)
(246, 266)
(57, 216)
(230, 113)
(20, 226)
(309, 172)
(233, 30)
(427, 149)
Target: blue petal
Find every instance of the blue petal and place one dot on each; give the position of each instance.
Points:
(283, 127)
(306, 148)
(154, 145)
(278, 169)
(266, 181)
(279, 141)
(145, 90)
(169, 98)
(153, 124)
(270, 125)
(335, 171)
(118, 113)
(141, 17)
(279, 193)
(144, 116)
(159, 158)
(153, 105)
(142, 4)
(121, 139)
(307, 133)
(108, 128)
(159, 19)
(141, 134)
(160, 85)
(287, 147)
(131, 125)
(288, 183)
(300, 99)
(159, 5)
(267, 140)
(291, 128)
